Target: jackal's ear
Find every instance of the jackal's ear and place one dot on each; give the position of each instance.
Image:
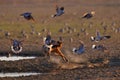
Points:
(60, 42)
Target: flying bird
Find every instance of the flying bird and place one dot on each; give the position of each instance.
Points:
(98, 37)
(16, 46)
(59, 11)
(99, 47)
(27, 16)
(79, 50)
(48, 39)
(89, 15)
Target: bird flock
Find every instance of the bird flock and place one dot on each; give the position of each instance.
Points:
(17, 45)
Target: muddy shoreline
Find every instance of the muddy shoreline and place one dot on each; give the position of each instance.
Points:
(102, 73)
(53, 71)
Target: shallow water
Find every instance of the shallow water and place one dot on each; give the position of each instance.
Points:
(114, 63)
(15, 58)
(16, 74)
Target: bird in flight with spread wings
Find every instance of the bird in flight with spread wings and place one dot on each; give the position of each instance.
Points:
(89, 15)
(27, 16)
(59, 11)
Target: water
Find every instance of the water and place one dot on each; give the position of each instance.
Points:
(115, 63)
(15, 58)
(16, 74)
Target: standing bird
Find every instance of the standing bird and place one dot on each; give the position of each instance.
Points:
(59, 11)
(28, 16)
(89, 15)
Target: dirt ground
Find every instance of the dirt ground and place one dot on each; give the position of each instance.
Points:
(92, 65)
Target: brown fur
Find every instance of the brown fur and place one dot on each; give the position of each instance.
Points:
(57, 49)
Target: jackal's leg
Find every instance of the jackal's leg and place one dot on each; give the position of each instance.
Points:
(48, 54)
(62, 55)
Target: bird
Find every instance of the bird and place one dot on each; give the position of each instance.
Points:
(16, 46)
(16, 43)
(98, 37)
(27, 16)
(59, 11)
(79, 50)
(99, 47)
(7, 34)
(89, 15)
(48, 39)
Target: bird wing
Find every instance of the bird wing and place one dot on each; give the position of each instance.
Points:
(85, 14)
